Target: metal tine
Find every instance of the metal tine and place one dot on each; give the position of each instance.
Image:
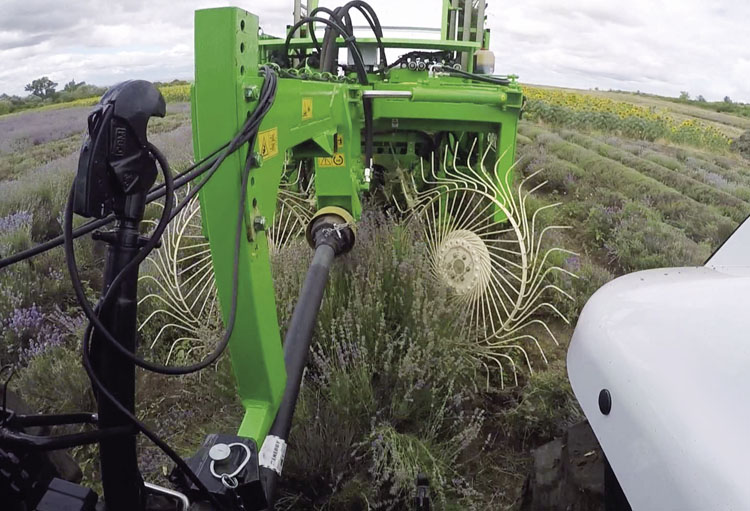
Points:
(459, 206)
(182, 269)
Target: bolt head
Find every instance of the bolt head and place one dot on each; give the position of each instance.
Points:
(259, 222)
(251, 93)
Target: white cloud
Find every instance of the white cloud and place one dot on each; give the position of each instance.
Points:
(656, 46)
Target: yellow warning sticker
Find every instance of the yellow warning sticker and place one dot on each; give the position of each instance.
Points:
(269, 143)
(337, 160)
(307, 109)
(339, 140)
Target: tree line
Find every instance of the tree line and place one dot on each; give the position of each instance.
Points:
(44, 91)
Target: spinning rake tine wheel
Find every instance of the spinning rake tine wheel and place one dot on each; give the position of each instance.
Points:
(485, 248)
(294, 210)
(184, 295)
(181, 271)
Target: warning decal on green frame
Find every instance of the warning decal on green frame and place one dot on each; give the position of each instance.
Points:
(337, 160)
(269, 143)
(307, 109)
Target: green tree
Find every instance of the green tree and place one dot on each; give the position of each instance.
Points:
(42, 87)
(684, 94)
(700, 99)
(73, 85)
(727, 99)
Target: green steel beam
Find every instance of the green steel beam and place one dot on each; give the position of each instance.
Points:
(388, 42)
(225, 63)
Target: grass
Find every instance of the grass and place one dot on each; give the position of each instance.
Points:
(388, 391)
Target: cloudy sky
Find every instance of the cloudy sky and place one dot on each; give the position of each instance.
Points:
(659, 46)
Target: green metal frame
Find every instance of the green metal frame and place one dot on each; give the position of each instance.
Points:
(318, 120)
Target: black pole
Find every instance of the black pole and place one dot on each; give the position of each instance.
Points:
(115, 172)
(121, 480)
(332, 236)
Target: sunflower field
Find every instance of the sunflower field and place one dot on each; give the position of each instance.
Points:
(594, 113)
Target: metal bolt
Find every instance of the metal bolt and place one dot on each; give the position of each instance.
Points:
(251, 93)
(259, 222)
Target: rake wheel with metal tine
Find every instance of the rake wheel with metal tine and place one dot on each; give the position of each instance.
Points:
(183, 292)
(486, 247)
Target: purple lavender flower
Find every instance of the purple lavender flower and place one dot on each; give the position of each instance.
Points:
(47, 338)
(15, 221)
(20, 131)
(25, 321)
(573, 263)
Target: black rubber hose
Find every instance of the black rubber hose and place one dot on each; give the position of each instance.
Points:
(156, 193)
(254, 121)
(342, 13)
(330, 52)
(350, 42)
(296, 349)
(372, 19)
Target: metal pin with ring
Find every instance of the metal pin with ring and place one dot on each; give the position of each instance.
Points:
(229, 481)
(220, 452)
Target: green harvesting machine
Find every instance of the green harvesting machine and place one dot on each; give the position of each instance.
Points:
(291, 134)
(348, 128)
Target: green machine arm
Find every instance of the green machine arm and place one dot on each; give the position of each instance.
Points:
(226, 60)
(319, 120)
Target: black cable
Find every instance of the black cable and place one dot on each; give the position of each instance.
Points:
(350, 42)
(158, 192)
(142, 427)
(348, 38)
(341, 15)
(247, 134)
(54, 242)
(184, 468)
(185, 176)
(311, 27)
(372, 19)
(70, 257)
(153, 241)
(330, 50)
(265, 102)
(142, 254)
(473, 76)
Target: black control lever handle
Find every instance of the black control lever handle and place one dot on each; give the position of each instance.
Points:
(115, 162)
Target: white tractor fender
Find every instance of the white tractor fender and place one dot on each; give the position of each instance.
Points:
(671, 347)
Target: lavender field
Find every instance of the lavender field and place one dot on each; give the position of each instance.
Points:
(370, 412)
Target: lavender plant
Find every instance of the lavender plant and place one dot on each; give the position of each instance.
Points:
(387, 393)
